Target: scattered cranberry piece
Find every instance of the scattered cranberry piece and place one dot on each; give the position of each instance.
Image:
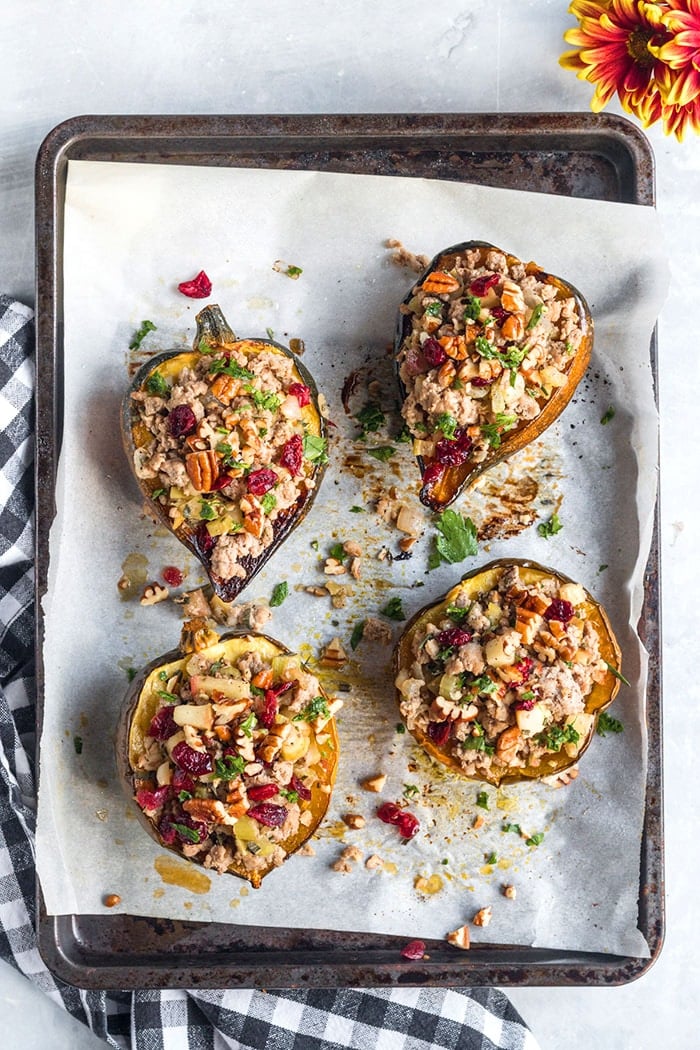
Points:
(389, 812)
(167, 832)
(261, 481)
(453, 636)
(440, 732)
(270, 709)
(481, 285)
(162, 725)
(221, 482)
(481, 381)
(182, 421)
(172, 575)
(408, 825)
(452, 453)
(203, 538)
(292, 454)
(415, 362)
(198, 288)
(301, 392)
(181, 781)
(196, 825)
(524, 669)
(433, 353)
(269, 814)
(432, 473)
(413, 950)
(195, 762)
(559, 610)
(261, 792)
(524, 705)
(295, 784)
(153, 799)
(500, 314)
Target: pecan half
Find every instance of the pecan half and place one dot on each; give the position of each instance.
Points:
(440, 283)
(202, 469)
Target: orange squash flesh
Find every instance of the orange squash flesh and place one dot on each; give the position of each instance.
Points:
(477, 585)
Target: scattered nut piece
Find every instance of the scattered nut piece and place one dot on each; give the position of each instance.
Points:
(352, 548)
(374, 862)
(355, 568)
(154, 593)
(124, 584)
(376, 631)
(347, 858)
(334, 655)
(559, 780)
(195, 604)
(478, 822)
(509, 892)
(459, 938)
(354, 820)
(407, 542)
(306, 850)
(112, 900)
(421, 883)
(375, 783)
(318, 592)
(333, 567)
(483, 916)
(410, 520)
(401, 256)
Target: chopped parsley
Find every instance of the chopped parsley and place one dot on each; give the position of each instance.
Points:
(433, 310)
(607, 416)
(78, 744)
(554, 737)
(279, 592)
(492, 431)
(447, 424)
(337, 552)
(291, 796)
(410, 791)
(478, 742)
(382, 452)
(170, 698)
(535, 839)
(157, 493)
(357, 510)
(394, 609)
(229, 767)
(206, 511)
(512, 827)
(141, 333)
(265, 399)
(270, 333)
(131, 673)
(472, 308)
(400, 727)
(230, 368)
(314, 545)
(294, 272)
(156, 385)
(249, 724)
(190, 834)
(456, 540)
(492, 858)
(608, 724)
(551, 527)
(184, 796)
(484, 348)
(483, 684)
(616, 673)
(457, 613)
(482, 799)
(318, 707)
(357, 633)
(536, 316)
(314, 448)
(268, 502)
(371, 418)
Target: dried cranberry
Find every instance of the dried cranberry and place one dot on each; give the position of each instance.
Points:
(415, 362)
(195, 762)
(261, 481)
(261, 792)
(559, 610)
(481, 285)
(408, 825)
(195, 825)
(433, 353)
(482, 381)
(524, 705)
(182, 421)
(500, 314)
(389, 812)
(203, 538)
(182, 781)
(269, 814)
(198, 288)
(453, 636)
(292, 454)
(432, 473)
(452, 453)
(172, 575)
(413, 950)
(301, 392)
(152, 800)
(271, 703)
(162, 725)
(295, 784)
(221, 482)
(440, 732)
(167, 832)
(524, 669)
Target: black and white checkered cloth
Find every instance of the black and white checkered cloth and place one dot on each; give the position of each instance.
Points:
(409, 1018)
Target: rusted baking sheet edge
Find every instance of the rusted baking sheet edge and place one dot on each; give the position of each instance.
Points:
(583, 155)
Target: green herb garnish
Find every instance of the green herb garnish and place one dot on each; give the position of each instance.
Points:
(608, 724)
(249, 724)
(457, 613)
(314, 448)
(268, 502)
(156, 385)
(535, 318)
(472, 308)
(512, 827)
(279, 592)
(410, 791)
(357, 632)
(535, 839)
(482, 799)
(229, 767)
(607, 416)
(492, 431)
(266, 400)
(318, 707)
(337, 552)
(230, 368)
(551, 527)
(447, 424)
(131, 673)
(206, 511)
(394, 609)
(554, 737)
(371, 418)
(141, 333)
(294, 272)
(456, 540)
(382, 452)
(169, 698)
(614, 671)
(400, 727)
(492, 858)
(184, 796)
(190, 834)
(433, 310)
(357, 510)
(78, 744)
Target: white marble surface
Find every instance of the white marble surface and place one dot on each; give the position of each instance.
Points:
(124, 56)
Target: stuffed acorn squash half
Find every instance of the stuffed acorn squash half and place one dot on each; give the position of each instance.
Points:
(229, 753)
(227, 443)
(489, 351)
(503, 679)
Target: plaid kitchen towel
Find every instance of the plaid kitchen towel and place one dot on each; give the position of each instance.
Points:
(410, 1018)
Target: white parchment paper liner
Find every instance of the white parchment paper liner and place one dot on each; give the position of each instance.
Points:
(132, 232)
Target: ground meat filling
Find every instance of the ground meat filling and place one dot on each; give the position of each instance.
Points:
(489, 344)
(502, 680)
(227, 452)
(236, 748)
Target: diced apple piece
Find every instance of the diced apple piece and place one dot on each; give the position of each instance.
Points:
(496, 654)
(231, 688)
(582, 724)
(200, 716)
(173, 741)
(451, 686)
(531, 721)
(164, 773)
(572, 592)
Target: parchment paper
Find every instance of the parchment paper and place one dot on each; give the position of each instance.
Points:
(132, 232)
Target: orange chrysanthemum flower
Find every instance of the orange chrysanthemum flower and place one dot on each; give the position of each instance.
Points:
(648, 54)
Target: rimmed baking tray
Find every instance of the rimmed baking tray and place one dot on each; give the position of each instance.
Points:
(580, 155)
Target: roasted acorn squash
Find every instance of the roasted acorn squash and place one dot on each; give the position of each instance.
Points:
(229, 753)
(504, 677)
(488, 352)
(227, 443)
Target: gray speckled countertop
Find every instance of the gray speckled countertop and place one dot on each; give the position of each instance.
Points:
(297, 56)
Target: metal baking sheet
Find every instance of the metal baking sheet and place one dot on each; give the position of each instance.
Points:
(580, 155)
